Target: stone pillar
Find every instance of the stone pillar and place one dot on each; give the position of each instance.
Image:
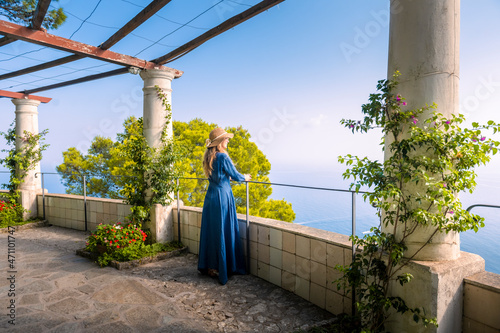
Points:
(424, 46)
(27, 120)
(154, 113)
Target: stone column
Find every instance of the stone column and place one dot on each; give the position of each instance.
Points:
(154, 113)
(424, 46)
(27, 120)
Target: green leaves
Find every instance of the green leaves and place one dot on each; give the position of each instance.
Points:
(19, 160)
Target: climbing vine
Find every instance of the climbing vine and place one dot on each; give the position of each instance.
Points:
(18, 162)
(429, 152)
(152, 172)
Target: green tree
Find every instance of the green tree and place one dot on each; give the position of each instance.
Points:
(104, 167)
(99, 166)
(22, 11)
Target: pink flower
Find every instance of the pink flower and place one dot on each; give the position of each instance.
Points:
(448, 122)
(451, 212)
(483, 138)
(404, 103)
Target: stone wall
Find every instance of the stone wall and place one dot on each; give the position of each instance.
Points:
(295, 257)
(66, 210)
(482, 303)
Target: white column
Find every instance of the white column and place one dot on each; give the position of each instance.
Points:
(154, 113)
(27, 120)
(424, 46)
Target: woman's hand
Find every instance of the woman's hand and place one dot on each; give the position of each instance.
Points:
(247, 177)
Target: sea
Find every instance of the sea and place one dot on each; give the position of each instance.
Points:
(328, 210)
(332, 211)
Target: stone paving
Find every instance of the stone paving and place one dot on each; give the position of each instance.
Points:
(57, 291)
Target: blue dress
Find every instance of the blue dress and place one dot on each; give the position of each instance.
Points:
(220, 244)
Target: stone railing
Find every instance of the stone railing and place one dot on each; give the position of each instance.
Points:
(302, 260)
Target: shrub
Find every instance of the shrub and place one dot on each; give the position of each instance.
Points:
(123, 242)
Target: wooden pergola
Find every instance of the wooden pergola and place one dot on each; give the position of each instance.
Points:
(76, 50)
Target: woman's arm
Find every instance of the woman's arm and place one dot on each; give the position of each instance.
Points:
(231, 170)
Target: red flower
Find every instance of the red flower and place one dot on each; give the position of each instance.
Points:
(118, 246)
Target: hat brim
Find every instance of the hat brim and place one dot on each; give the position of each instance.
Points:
(219, 139)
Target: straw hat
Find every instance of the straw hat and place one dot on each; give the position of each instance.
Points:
(216, 136)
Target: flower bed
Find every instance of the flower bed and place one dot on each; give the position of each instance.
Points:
(10, 213)
(119, 243)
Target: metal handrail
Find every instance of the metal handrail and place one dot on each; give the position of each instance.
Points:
(482, 205)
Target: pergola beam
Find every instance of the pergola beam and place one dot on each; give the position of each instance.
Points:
(6, 40)
(11, 94)
(140, 18)
(41, 9)
(131, 25)
(40, 67)
(118, 71)
(36, 22)
(42, 38)
(224, 26)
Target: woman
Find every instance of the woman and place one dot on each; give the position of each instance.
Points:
(220, 246)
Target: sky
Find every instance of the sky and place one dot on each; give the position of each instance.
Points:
(282, 75)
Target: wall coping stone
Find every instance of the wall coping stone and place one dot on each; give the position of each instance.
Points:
(486, 280)
(301, 230)
(75, 196)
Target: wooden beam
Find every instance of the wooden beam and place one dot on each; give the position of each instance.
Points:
(11, 94)
(41, 9)
(118, 71)
(79, 80)
(131, 25)
(6, 40)
(40, 67)
(224, 26)
(42, 38)
(140, 18)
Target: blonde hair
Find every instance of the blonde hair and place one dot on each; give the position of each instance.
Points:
(209, 156)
